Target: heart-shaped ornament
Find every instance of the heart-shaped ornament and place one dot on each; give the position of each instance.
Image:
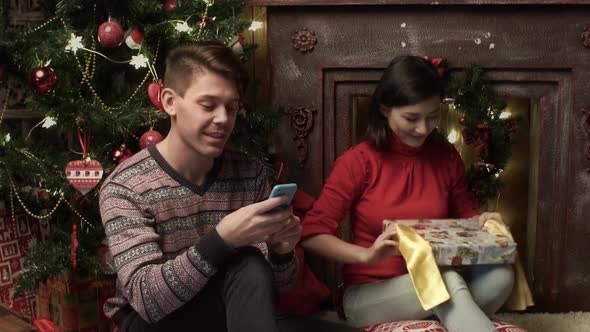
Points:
(84, 176)
(154, 90)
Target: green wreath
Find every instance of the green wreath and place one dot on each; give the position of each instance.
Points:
(486, 127)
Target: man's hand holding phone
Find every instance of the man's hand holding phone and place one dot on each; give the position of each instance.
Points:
(285, 239)
(271, 220)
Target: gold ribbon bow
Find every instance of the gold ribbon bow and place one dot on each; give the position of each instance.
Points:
(521, 296)
(426, 278)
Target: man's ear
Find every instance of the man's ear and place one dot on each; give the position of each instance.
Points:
(168, 99)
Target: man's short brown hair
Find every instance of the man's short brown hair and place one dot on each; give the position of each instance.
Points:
(186, 60)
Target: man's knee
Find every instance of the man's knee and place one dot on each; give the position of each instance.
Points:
(249, 269)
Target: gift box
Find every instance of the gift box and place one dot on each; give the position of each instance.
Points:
(18, 233)
(460, 241)
(74, 304)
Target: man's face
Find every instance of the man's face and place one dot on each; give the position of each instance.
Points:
(205, 117)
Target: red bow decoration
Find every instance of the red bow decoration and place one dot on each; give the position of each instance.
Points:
(439, 63)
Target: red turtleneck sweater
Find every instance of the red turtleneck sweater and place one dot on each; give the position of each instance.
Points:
(404, 182)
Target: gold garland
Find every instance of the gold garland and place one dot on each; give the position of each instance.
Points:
(13, 192)
(89, 70)
(5, 106)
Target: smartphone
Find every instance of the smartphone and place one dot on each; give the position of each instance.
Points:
(286, 189)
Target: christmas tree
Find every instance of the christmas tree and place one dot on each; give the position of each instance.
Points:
(92, 71)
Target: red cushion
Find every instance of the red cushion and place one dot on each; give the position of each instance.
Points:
(430, 326)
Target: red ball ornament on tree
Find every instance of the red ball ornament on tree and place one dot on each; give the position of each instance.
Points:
(150, 137)
(170, 5)
(43, 80)
(462, 120)
(110, 34)
(121, 154)
(134, 39)
(237, 44)
(1, 73)
(154, 90)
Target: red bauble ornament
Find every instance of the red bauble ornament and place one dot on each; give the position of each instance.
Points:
(206, 20)
(1, 73)
(43, 80)
(84, 176)
(237, 44)
(481, 126)
(134, 39)
(170, 5)
(110, 34)
(154, 90)
(462, 120)
(121, 154)
(150, 137)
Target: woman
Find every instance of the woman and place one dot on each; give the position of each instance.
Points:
(405, 170)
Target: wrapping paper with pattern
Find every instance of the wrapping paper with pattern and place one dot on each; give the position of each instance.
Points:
(460, 242)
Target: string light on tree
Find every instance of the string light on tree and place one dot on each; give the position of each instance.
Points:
(255, 26)
(182, 27)
(453, 136)
(505, 115)
(139, 61)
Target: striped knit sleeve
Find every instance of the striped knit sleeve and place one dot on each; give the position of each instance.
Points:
(153, 286)
(284, 267)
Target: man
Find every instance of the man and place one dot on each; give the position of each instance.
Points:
(186, 221)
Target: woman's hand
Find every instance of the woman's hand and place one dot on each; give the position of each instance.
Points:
(384, 247)
(482, 218)
(283, 241)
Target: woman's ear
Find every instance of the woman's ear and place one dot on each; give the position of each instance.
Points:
(384, 110)
(168, 98)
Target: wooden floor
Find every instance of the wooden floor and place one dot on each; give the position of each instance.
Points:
(12, 322)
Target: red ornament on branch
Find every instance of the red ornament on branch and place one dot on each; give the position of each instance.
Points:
(84, 175)
(134, 39)
(150, 137)
(170, 5)
(1, 73)
(237, 44)
(154, 90)
(110, 34)
(462, 120)
(121, 154)
(43, 80)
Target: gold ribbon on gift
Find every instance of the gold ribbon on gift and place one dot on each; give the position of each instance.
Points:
(426, 277)
(424, 272)
(521, 296)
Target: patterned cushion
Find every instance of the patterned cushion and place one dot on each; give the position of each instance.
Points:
(430, 326)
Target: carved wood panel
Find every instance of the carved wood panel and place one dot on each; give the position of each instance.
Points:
(543, 60)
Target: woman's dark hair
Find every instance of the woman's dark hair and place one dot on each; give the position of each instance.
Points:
(407, 80)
